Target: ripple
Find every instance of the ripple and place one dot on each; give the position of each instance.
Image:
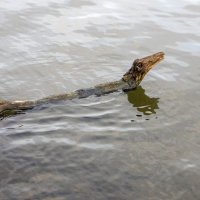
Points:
(166, 74)
(191, 47)
(42, 139)
(92, 115)
(97, 102)
(97, 146)
(37, 140)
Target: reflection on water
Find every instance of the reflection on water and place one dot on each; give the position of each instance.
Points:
(9, 113)
(145, 104)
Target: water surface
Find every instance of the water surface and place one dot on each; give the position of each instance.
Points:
(141, 145)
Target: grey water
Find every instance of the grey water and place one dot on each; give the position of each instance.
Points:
(144, 144)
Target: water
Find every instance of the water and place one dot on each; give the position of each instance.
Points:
(139, 145)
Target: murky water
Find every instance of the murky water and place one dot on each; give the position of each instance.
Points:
(140, 145)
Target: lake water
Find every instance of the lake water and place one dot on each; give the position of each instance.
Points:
(141, 145)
